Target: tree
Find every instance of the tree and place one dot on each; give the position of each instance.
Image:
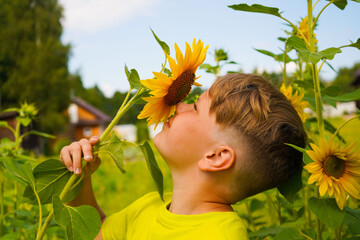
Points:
(345, 77)
(33, 60)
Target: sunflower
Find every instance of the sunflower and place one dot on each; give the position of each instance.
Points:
(296, 101)
(304, 29)
(336, 169)
(168, 91)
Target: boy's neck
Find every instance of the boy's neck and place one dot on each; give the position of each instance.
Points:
(190, 198)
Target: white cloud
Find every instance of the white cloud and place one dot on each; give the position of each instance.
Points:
(107, 89)
(94, 15)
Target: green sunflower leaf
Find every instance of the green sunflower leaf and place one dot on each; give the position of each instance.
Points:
(291, 187)
(133, 78)
(162, 44)
(81, 223)
(352, 220)
(341, 4)
(296, 43)
(266, 232)
(153, 167)
(277, 57)
(314, 57)
(257, 8)
(327, 211)
(289, 233)
(354, 44)
(22, 171)
(50, 178)
(348, 97)
(112, 150)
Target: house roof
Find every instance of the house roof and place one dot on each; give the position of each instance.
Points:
(8, 115)
(99, 114)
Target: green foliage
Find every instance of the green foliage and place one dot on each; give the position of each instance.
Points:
(162, 44)
(291, 187)
(289, 233)
(81, 223)
(33, 58)
(257, 8)
(142, 132)
(50, 178)
(133, 78)
(327, 211)
(153, 167)
(112, 150)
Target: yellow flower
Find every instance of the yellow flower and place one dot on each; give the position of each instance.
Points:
(168, 91)
(296, 100)
(336, 169)
(304, 29)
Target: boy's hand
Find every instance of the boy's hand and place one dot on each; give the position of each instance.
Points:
(71, 156)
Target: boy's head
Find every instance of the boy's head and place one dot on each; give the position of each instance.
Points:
(232, 139)
(262, 117)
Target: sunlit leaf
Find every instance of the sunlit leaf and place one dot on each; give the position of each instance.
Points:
(289, 233)
(256, 204)
(162, 44)
(50, 178)
(348, 97)
(112, 150)
(81, 223)
(133, 78)
(327, 211)
(330, 128)
(296, 43)
(21, 170)
(153, 167)
(277, 57)
(11, 236)
(300, 149)
(257, 8)
(329, 53)
(4, 124)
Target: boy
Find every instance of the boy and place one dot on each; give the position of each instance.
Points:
(227, 146)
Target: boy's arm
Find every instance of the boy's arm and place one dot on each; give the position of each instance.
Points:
(71, 156)
(86, 197)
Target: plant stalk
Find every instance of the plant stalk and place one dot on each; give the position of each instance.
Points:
(122, 110)
(2, 184)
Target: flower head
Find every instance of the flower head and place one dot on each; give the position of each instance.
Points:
(336, 170)
(168, 91)
(304, 29)
(296, 101)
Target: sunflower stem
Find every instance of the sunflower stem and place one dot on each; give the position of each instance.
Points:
(317, 17)
(284, 68)
(163, 67)
(119, 114)
(342, 125)
(298, 30)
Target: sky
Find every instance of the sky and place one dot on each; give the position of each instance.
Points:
(107, 34)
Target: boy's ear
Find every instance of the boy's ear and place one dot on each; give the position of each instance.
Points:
(221, 158)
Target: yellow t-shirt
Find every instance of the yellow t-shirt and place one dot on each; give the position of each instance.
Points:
(147, 218)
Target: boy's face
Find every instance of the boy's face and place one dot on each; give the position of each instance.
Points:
(189, 135)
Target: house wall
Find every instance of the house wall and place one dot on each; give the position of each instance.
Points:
(80, 132)
(85, 115)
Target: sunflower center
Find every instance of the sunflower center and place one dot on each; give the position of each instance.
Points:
(334, 166)
(180, 88)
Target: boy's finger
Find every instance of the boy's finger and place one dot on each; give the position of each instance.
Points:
(76, 157)
(65, 158)
(86, 149)
(94, 140)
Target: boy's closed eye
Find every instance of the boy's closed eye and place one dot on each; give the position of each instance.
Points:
(195, 107)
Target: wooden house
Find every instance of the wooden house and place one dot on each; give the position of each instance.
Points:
(85, 120)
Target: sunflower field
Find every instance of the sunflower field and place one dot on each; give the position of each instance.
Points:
(321, 203)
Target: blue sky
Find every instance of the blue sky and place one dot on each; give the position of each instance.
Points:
(107, 34)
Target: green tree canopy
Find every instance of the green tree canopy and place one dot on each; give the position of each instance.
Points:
(33, 60)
